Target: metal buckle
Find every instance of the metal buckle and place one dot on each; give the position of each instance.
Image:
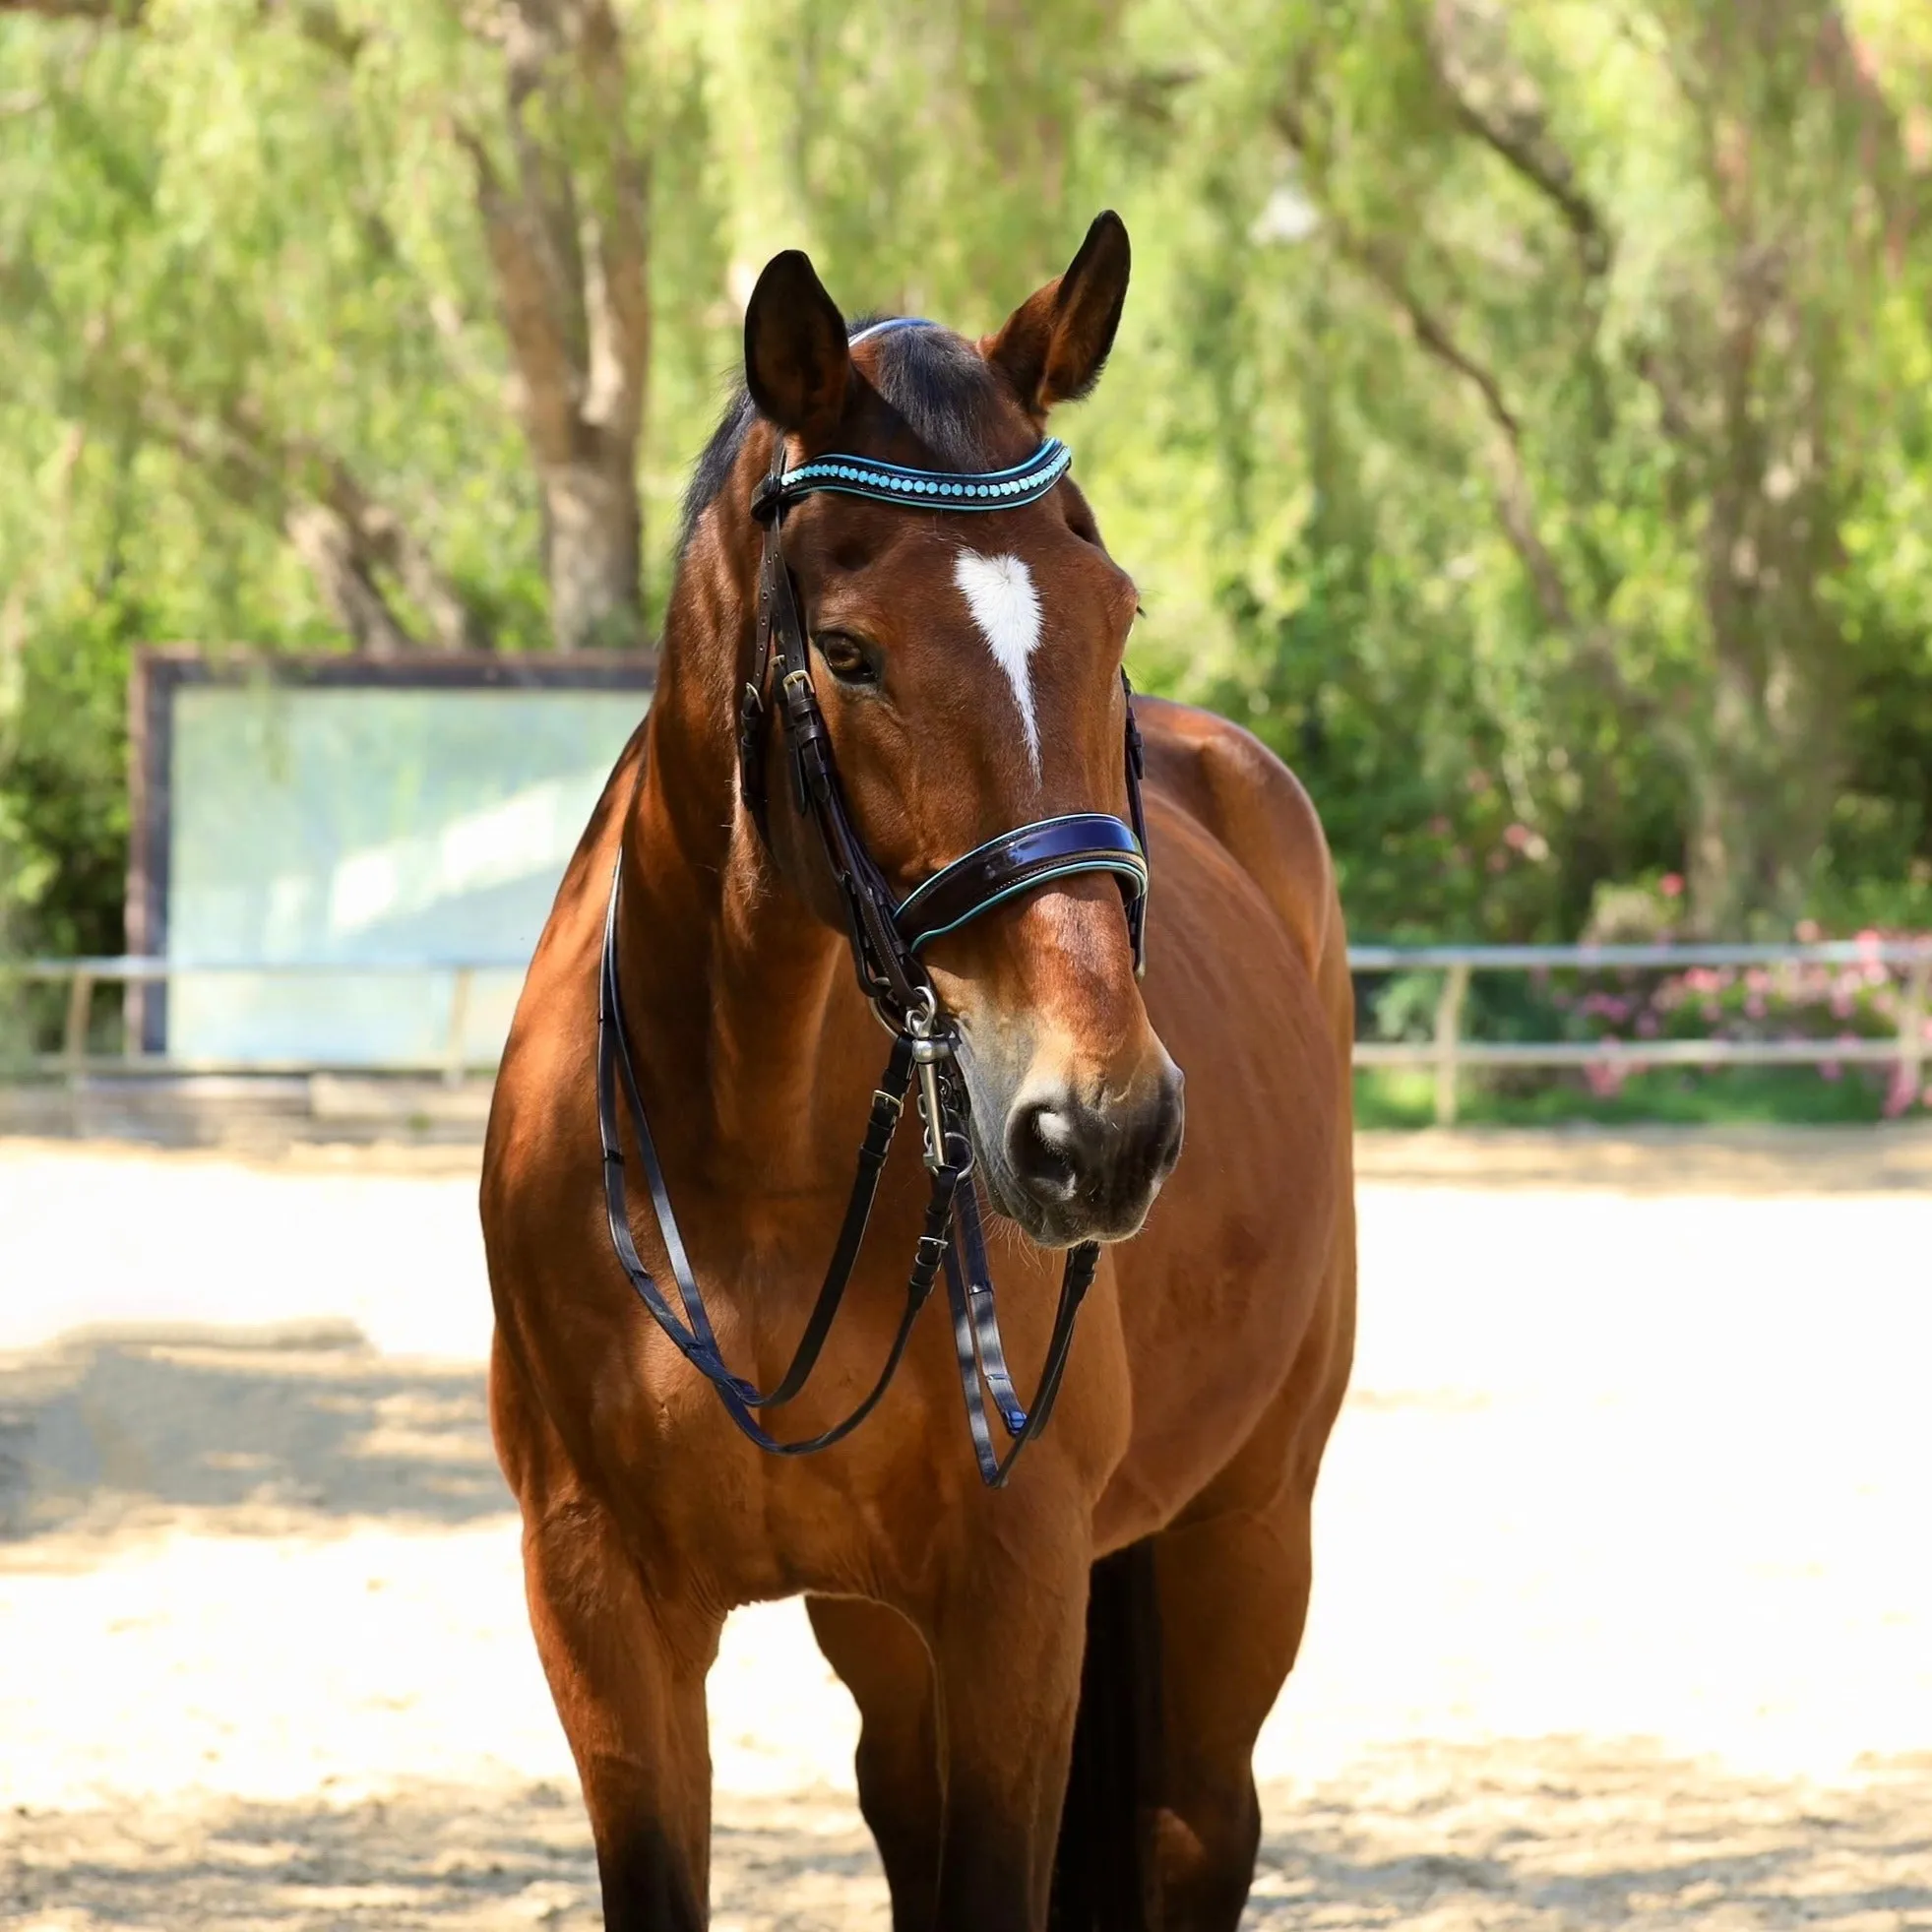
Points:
(929, 1047)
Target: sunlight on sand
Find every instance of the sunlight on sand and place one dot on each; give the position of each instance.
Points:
(1626, 1517)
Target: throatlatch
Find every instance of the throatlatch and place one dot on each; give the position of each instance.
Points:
(886, 938)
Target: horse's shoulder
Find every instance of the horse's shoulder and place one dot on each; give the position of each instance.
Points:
(1251, 804)
(546, 1072)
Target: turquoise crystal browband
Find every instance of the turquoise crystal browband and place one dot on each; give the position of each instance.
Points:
(892, 482)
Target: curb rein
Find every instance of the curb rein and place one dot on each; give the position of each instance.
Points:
(886, 937)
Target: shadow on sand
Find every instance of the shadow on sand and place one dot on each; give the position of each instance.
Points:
(264, 1429)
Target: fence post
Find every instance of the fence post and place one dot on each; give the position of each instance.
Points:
(1911, 1022)
(459, 1025)
(1449, 1028)
(80, 1009)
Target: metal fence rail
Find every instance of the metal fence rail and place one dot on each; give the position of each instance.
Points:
(1448, 1053)
(84, 975)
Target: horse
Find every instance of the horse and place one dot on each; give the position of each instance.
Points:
(891, 676)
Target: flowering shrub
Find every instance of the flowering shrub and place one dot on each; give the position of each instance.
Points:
(1863, 999)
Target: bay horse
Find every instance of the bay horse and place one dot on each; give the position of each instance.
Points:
(882, 778)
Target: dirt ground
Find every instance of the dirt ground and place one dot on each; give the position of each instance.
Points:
(1623, 1608)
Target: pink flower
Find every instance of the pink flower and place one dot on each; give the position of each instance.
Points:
(1829, 1070)
(1647, 1027)
(1755, 1006)
(1671, 884)
(1517, 836)
(1808, 931)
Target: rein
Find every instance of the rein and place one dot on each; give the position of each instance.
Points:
(886, 936)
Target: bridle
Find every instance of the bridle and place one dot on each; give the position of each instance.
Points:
(886, 935)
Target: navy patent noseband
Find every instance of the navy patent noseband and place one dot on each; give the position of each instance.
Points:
(887, 934)
(1018, 863)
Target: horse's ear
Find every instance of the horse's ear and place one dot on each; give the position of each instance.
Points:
(1055, 343)
(796, 362)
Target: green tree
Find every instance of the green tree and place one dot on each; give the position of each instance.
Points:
(1523, 417)
(1641, 252)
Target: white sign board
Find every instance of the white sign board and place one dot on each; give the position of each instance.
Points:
(369, 825)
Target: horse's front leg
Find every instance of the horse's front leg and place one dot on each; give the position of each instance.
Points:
(628, 1682)
(1007, 1638)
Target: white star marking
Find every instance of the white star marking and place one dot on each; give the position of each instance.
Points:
(1006, 606)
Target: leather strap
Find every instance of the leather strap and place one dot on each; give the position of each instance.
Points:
(1136, 769)
(1022, 1425)
(693, 1333)
(1018, 863)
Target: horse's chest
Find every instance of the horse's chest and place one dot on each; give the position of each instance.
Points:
(712, 1515)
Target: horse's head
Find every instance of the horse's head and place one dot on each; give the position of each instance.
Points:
(967, 666)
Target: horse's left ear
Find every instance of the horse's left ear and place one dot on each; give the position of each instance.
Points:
(1055, 343)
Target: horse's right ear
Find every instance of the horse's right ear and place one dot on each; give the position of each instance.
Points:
(796, 362)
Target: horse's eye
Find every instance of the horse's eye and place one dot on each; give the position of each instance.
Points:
(847, 659)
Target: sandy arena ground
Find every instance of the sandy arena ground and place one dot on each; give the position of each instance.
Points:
(1623, 1611)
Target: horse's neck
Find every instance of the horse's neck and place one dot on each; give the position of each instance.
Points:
(739, 1002)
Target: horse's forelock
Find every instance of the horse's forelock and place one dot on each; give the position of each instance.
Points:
(938, 383)
(943, 389)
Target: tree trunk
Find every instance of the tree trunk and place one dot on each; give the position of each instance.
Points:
(568, 228)
(327, 544)
(593, 531)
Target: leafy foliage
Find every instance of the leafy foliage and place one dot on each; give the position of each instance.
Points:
(1524, 420)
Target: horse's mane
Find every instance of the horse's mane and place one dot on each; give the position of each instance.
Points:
(936, 382)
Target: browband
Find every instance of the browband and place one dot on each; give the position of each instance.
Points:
(930, 489)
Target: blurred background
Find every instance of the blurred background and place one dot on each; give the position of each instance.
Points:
(1522, 420)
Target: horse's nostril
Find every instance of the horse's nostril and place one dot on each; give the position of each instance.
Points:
(1043, 1143)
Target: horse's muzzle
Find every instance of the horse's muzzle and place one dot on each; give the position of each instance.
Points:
(1087, 1167)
